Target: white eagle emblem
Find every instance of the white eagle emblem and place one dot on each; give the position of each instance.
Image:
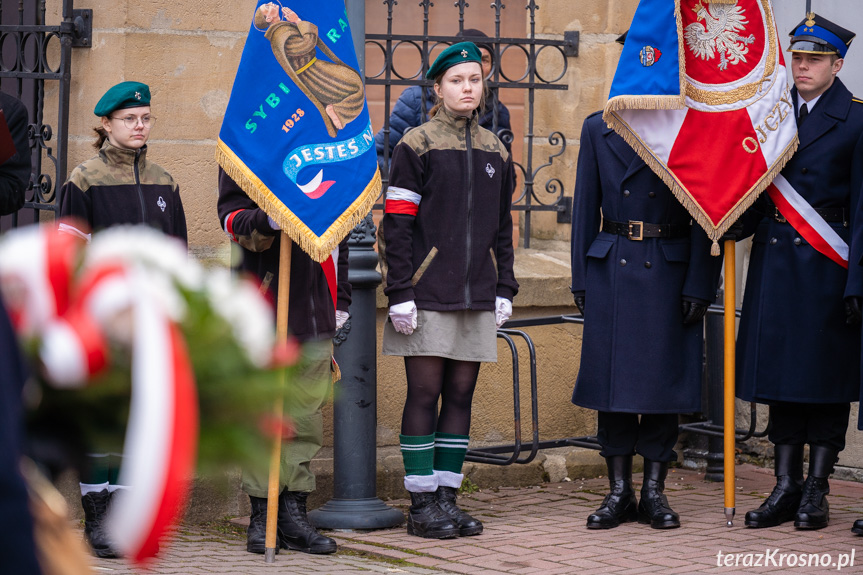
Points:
(161, 203)
(489, 169)
(723, 23)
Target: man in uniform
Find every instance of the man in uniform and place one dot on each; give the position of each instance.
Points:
(799, 342)
(313, 319)
(642, 277)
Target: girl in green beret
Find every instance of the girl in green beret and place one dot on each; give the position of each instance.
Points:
(450, 283)
(117, 186)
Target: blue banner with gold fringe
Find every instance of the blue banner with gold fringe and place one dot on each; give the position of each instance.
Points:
(296, 135)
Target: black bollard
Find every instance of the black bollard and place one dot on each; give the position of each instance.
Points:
(355, 504)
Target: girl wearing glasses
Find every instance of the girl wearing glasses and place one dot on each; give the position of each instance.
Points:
(119, 185)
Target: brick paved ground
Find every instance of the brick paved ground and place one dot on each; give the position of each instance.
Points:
(541, 530)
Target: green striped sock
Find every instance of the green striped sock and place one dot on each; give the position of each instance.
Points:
(418, 453)
(449, 451)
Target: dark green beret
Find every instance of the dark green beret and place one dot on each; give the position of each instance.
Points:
(123, 95)
(455, 54)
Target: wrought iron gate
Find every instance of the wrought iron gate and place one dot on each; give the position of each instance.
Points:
(33, 55)
(530, 196)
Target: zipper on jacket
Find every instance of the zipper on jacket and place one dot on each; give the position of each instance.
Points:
(467, 142)
(138, 187)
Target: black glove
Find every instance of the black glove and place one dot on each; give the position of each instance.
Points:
(579, 302)
(693, 311)
(735, 232)
(853, 313)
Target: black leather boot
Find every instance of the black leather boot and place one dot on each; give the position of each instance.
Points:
(467, 525)
(295, 531)
(95, 509)
(427, 519)
(256, 536)
(653, 507)
(858, 527)
(814, 511)
(619, 506)
(782, 504)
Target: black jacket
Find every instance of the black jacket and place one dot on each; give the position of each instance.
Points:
(119, 186)
(311, 315)
(449, 244)
(14, 172)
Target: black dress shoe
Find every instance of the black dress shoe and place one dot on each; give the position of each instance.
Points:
(858, 527)
(619, 506)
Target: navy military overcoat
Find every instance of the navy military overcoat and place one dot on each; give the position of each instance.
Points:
(793, 344)
(636, 355)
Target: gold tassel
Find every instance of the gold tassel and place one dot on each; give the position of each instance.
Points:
(318, 248)
(714, 249)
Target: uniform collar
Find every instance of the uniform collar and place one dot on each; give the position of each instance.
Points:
(114, 155)
(456, 121)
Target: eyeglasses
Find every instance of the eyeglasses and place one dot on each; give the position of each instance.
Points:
(132, 121)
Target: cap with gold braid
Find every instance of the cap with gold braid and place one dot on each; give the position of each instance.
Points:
(818, 35)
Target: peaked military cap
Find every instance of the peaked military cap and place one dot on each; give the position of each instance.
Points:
(818, 35)
(123, 95)
(455, 54)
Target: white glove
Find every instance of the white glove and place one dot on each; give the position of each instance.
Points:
(404, 317)
(341, 318)
(273, 223)
(502, 310)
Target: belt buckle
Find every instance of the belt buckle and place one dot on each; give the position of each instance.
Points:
(635, 231)
(777, 215)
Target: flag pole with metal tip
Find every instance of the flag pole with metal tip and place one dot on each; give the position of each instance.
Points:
(729, 423)
(271, 542)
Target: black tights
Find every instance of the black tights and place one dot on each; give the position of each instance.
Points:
(430, 378)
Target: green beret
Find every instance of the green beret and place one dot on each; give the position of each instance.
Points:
(455, 54)
(123, 95)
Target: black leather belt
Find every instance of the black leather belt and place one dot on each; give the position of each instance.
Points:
(830, 215)
(637, 231)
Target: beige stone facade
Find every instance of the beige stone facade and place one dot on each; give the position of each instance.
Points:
(188, 52)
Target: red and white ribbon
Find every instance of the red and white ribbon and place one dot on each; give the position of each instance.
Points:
(806, 220)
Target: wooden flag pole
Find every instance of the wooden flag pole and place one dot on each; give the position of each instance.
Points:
(729, 423)
(284, 293)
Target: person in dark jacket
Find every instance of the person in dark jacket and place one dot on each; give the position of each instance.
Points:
(411, 109)
(642, 277)
(448, 284)
(798, 345)
(15, 171)
(118, 186)
(313, 319)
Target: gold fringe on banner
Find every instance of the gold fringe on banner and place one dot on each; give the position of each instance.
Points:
(714, 232)
(721, 1)
(319, 248)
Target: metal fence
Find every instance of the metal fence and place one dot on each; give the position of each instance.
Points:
(533, 194)
(36, 60)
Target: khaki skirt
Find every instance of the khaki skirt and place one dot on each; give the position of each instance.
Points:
(460, 335)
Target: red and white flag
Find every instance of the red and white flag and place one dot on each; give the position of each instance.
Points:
(701, 94)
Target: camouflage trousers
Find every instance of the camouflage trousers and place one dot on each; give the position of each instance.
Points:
(304, 397)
